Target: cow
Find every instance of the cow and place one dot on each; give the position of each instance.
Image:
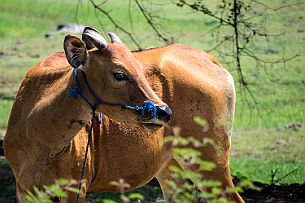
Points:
(48, 129)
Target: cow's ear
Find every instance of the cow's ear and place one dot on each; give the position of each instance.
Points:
(75, 50)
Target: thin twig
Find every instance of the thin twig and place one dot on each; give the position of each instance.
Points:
(150, 21)
(117, 26)
(279, 8)
(282, 60)
(201, 8)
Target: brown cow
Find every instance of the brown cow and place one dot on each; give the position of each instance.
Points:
(48, 130)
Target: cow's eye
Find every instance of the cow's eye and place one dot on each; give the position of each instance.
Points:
(120, 76)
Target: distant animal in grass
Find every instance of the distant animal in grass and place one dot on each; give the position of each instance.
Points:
(66, 28)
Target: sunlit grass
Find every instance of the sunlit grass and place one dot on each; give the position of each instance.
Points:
(5, 106)
(256, 153)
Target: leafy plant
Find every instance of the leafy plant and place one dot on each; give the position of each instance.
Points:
(125, 198)
(62, 186)
(186, 185)
(58, 190)
(186, 153)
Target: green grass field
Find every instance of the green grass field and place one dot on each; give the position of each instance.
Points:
(261, 141)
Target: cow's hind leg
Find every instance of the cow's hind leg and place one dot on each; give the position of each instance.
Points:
(221, 171)
(165, 175)
(222, 174)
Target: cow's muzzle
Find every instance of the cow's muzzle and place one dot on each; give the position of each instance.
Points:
(163, 116)
(164, 113)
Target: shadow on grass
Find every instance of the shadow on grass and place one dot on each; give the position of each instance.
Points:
(7, 183)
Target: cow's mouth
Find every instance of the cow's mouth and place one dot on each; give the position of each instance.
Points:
(152, 124)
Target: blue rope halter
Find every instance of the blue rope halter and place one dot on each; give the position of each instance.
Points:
(148, 108)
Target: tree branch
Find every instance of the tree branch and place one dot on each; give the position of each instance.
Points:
(117, 26)
(152, 24)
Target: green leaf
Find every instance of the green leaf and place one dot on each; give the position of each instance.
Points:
(200, 121)
(136, 196)
(62, 182)
(72, 189)
(109, 201)
(30, 197)
(174, 169)
(56, 191)
(124, 198)
(211, 183)
(206, 166)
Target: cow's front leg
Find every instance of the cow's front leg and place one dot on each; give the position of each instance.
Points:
(20, 194)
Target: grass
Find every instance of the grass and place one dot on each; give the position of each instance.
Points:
(6, 106)
(256, 153)
(261, 141)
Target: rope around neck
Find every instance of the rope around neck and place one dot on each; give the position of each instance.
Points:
(148, 107)
(86, 155)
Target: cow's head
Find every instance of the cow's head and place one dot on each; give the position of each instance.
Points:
(115, 76)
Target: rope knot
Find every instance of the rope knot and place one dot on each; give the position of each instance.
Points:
(149, 107)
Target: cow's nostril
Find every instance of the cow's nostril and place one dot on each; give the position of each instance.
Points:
(164, 113)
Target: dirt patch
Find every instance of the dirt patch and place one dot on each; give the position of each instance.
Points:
(276, 193)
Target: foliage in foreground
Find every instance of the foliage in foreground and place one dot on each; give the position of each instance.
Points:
(181, 189)
(186, 152)
(58, 190)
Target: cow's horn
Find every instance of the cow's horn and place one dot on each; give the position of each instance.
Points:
(114, 37)
(93, 38)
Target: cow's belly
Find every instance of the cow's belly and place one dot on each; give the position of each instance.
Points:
(134, 157)
(136, 173)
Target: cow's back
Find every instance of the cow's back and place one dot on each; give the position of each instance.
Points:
(186, 64)
(189, 79)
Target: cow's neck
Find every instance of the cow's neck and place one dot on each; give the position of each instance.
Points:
(64, 116)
